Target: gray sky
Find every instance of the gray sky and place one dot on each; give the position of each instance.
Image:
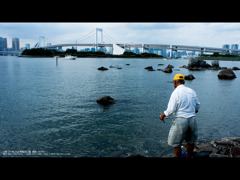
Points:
(197, 34)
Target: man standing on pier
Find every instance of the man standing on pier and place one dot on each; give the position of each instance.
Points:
(183, 104)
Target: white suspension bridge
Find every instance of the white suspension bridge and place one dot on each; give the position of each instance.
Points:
(119, 48)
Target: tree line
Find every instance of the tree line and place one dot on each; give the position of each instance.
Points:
(52, 52)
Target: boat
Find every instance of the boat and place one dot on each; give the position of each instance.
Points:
(70, 57)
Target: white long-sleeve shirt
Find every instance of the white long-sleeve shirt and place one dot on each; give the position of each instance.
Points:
(183, 102)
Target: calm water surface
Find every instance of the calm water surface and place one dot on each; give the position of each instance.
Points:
(48, 110)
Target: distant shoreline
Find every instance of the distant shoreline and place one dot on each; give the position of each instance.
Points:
(220, 58)
(30, 56)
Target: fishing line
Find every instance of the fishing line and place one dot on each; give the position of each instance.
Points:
(157, 104)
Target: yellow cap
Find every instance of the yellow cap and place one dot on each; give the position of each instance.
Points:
(179, 77)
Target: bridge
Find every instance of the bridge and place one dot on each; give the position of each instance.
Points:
(147, 47)
(121, 47)
(204, 50)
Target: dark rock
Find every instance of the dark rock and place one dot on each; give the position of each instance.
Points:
(170, 66)
(223, 67)
(235, 68)
(225, 147)
(167, 70)
(105, 100)
(236, 141)
(226, 74)
(207, 147)
(235, 151)
(149, 68)
(160, 64)
(215, 155)
(224, 143)
(194, 62)
(102, 68)
(127, 64)
(215, 68)
(119, 68)
(197, 64)
(215, 64)
(184, 66)
(195, 68)
(111, 66)
(202, 154)
(189, 77)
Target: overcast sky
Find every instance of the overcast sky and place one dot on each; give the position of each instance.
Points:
(197, 34)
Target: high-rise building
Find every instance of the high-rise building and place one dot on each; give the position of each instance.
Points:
(136, 51)
(226, 46)
(93, 49)
(234, 46)
(27, 46)
(164, 52)
(15, 44)
(3, 44)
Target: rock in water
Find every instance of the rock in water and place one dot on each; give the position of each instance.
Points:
(102, 68)
(170, 66)
(235, 68)
(105, 100)
(149, 68)
(189, 77)
(215, 64)
(167, 70)
(226, 74)
(197, 64)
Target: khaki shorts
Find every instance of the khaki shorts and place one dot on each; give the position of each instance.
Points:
(183, 129)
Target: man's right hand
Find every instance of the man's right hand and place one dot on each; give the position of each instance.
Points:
(162, 116)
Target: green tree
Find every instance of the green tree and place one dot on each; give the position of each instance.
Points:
(216, 54)
(71, 51)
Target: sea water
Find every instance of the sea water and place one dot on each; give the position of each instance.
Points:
(49, 110)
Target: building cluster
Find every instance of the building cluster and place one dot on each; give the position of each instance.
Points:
(163, 52)
(93, 49)
(231, 48)
(15, 45)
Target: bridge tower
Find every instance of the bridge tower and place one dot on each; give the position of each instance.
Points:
(41, 41)
(99, 30)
